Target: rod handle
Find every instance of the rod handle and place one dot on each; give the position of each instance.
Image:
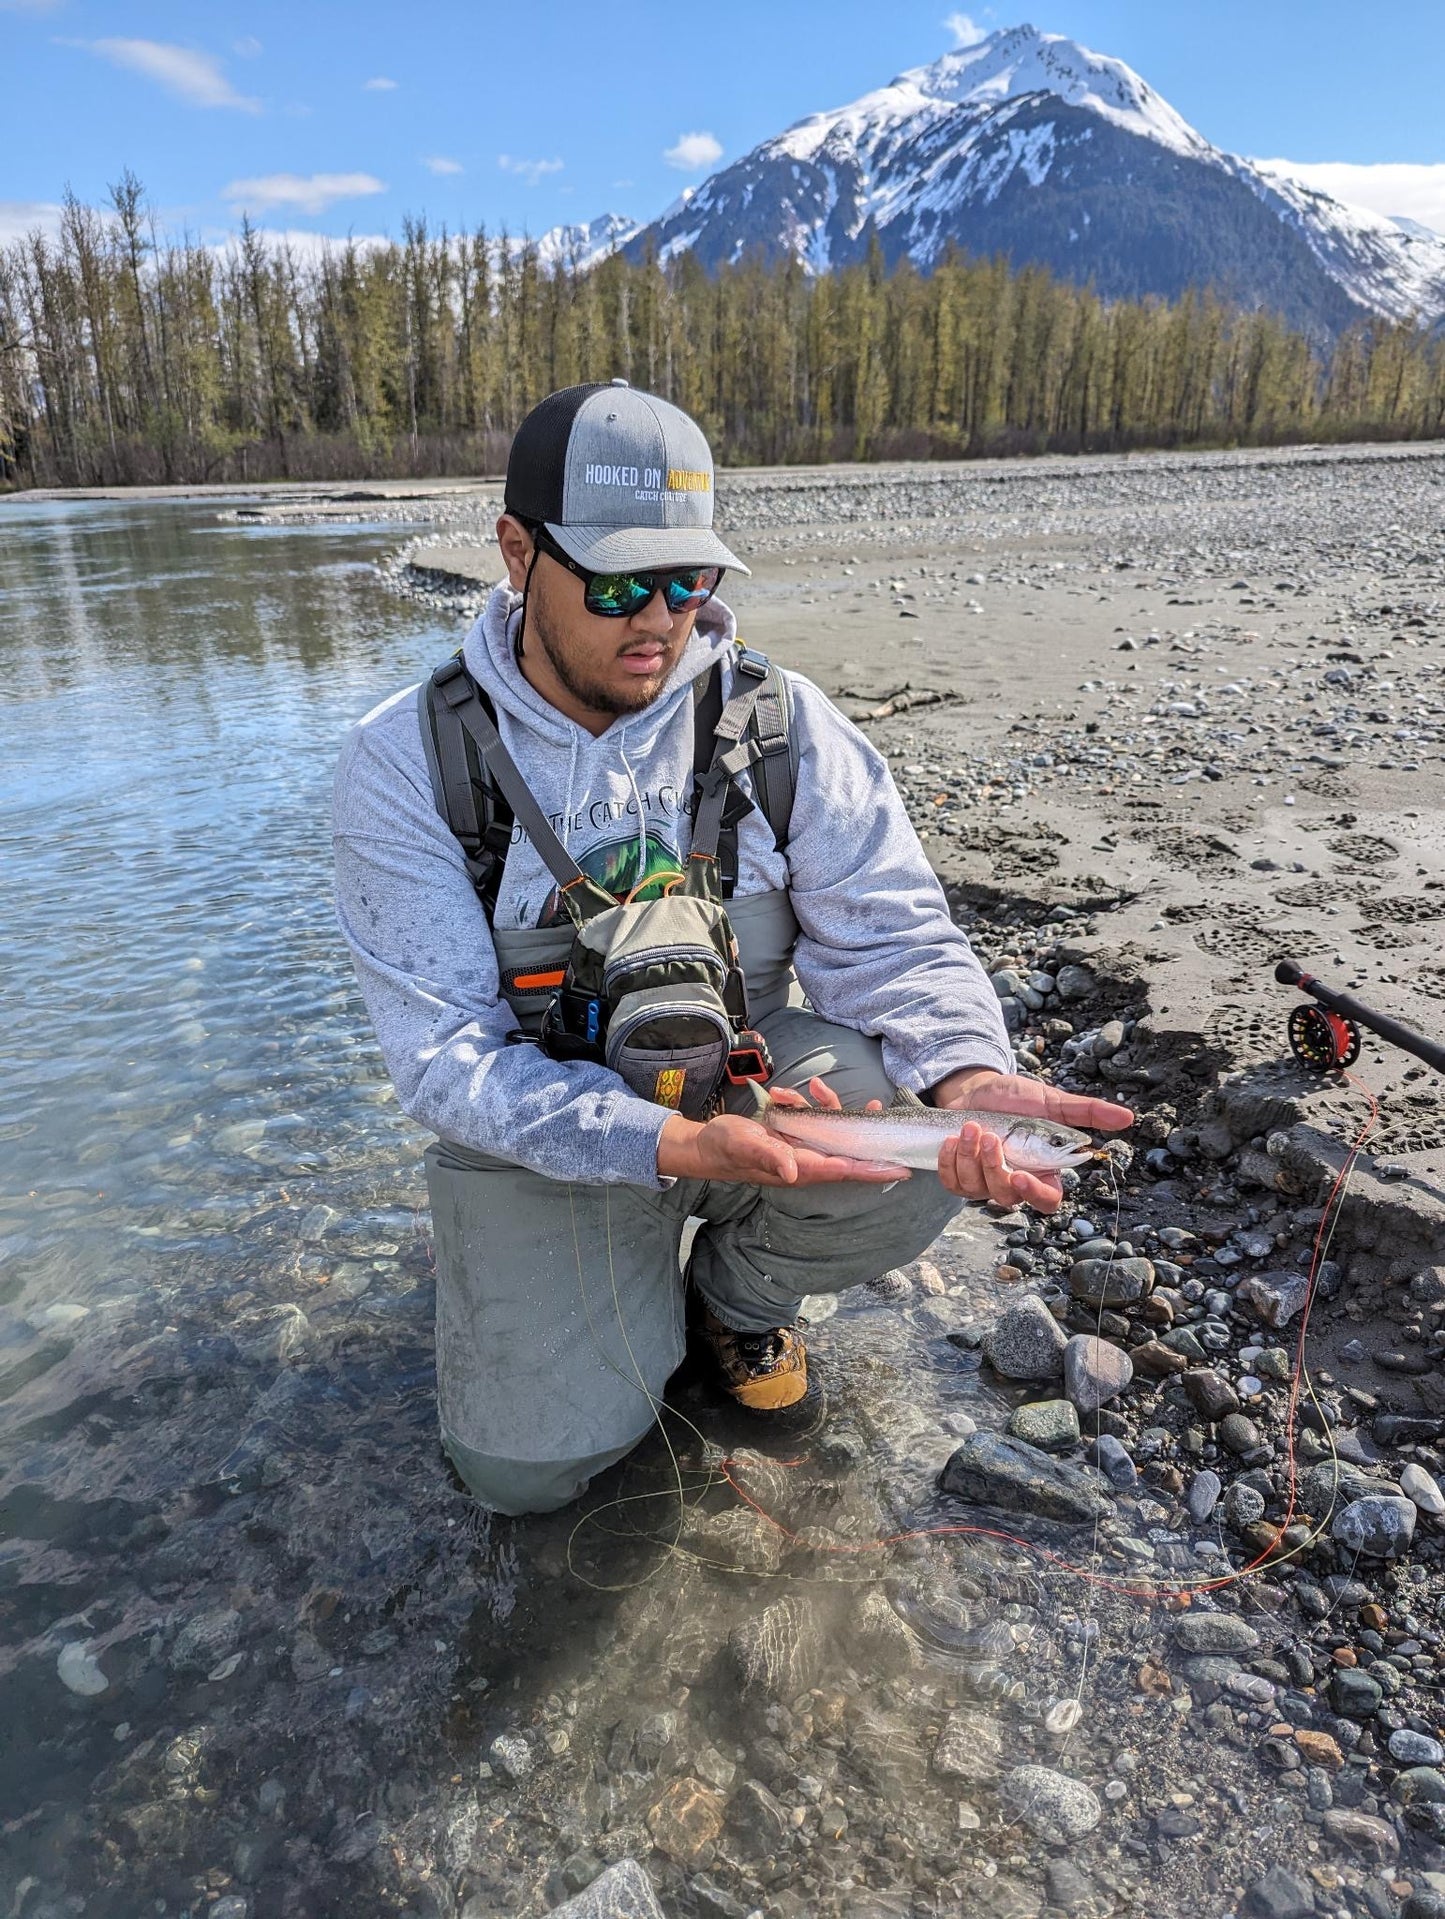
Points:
(1289, 973)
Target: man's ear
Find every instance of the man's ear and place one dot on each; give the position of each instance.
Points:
(515, 543)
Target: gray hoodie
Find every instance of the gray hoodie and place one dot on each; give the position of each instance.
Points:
(878, 950)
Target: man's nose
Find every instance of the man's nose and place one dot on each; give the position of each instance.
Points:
(655, 617)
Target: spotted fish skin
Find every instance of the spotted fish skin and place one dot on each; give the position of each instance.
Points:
(910, 1137)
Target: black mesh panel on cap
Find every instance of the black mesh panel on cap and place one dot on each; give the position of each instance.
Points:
(537, 463)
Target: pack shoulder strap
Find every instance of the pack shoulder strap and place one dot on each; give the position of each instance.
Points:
(466, 795)
(775, 772)
(752, 733)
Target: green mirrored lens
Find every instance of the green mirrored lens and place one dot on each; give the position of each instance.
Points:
(619, 594)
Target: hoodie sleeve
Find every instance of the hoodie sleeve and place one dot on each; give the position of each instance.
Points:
(428, 973)
(879, 950)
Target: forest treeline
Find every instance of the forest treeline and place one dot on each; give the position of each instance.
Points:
(128, 356)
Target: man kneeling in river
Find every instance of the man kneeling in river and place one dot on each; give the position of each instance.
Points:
(602, 731)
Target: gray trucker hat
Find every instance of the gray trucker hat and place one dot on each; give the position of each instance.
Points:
(619, 478)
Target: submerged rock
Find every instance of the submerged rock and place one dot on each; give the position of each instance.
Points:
(970, 1748)
(993, 1470)
(778, 1651)
(1051, 1804)
(687, 1818)
(1279, 1895)
(1214, 1632)
(624, 1891)
(79, 1670)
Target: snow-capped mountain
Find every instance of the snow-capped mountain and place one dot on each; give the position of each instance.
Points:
(1387, 263)
(584, 242)
(1030, 145)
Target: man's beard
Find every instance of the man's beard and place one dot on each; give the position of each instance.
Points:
(590, 692)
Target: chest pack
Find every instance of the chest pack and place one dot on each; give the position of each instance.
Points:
(652, 989)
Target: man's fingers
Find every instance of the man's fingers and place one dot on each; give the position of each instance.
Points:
(786, 1096)
(1014, 1093)
(1043, 1193)
(958, 1165)
(1098, 1115)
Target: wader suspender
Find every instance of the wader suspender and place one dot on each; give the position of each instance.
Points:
(468, 760)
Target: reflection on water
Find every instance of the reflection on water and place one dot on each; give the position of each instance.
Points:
(259, 1655)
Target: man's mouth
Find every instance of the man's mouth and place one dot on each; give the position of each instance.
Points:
(643, 660)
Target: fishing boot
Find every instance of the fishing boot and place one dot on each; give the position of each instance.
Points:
(762, 1371)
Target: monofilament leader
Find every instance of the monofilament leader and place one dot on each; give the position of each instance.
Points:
(600, 870)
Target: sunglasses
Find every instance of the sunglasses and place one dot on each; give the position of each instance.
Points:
(617, 596)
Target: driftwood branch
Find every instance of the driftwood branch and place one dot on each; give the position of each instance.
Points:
(883, 706)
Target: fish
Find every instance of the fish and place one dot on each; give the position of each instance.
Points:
(910, 1136)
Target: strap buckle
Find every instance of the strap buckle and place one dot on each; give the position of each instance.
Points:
(749, 1060)
(446, 677)
(752, 664)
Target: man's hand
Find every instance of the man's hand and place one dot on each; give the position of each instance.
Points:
(975, 1165)
(731, 1148)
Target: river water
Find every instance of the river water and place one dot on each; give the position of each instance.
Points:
(259, 1654)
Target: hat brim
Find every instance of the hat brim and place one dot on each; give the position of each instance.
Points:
(624, 549)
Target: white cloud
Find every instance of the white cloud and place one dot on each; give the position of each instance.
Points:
(966, 31)
(248, 46)
(694, 152)
(439, 163)
(20, 218)
(1391, 187)
(191, 76)
(312, 192)
(379, 85)
(530, 170)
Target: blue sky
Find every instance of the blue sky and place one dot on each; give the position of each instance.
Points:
(329, 118)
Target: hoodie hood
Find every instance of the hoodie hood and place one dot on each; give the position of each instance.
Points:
(620, 801)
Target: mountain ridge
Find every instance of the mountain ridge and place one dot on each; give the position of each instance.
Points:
(1006, 147)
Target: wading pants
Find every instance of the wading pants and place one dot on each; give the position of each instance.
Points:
(560, 1307)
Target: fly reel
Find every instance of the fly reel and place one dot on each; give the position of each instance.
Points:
(1323, 1041)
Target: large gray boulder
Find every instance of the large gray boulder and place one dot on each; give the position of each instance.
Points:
(990, 1469)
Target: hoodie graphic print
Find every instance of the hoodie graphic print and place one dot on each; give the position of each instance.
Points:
(877, 951)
